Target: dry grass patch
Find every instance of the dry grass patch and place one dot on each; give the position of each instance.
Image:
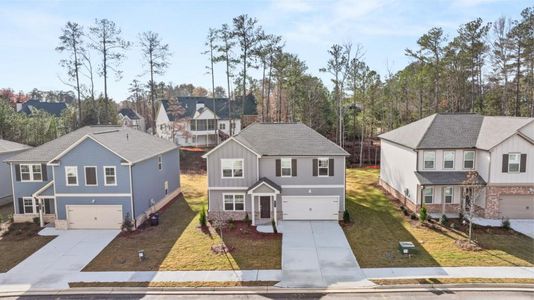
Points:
(169, 284)
(379, 225)
(5, 212)
(179, 244)
(452, 281)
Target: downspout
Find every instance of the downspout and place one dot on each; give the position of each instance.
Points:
(134, 218)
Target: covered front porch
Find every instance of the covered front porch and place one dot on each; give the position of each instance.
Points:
(264, 194)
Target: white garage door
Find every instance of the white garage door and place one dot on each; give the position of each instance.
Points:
(94, 216)
(310, 207)
(516, 206)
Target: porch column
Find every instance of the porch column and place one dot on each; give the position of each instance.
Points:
(41, 207)
(273, 199)
(253, 210)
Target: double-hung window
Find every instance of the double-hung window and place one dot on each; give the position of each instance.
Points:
(429, 158)
(447, 194)
(160, 162)
(31, 172)
(428, 195)
(110, 176)
(71, 175)
(90, 176)
(28, 205)
(448, 159)
(469, 159)
(285, 164)
(234, 202)
(323, 165)
(514, 162)
(232, 168)
(222, 126)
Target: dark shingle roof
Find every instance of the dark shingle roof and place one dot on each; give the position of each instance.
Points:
(452, 131)
(267, 181)
(218, 105)
(446, 178)
(287, 139)
(53, 108)
(9, 146)
(130, 113)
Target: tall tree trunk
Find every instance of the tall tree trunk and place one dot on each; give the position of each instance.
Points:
(152, 96)
(268, 106)
(230, 130)
(517, 79)
(263, 93)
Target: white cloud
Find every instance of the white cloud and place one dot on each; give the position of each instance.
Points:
(290, 6)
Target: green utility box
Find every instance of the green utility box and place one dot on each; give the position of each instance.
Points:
(407, 248)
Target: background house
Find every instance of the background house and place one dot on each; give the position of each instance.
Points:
(52, 108)
(130, 118)
(7, 150)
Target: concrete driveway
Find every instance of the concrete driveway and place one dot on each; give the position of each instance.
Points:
(50, 266)
(526, 227)
(317, 254)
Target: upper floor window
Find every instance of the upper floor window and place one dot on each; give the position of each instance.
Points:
(31, 172)
(429, 158)
(428, 195)
(323, 166)
(234, 201)
(110, 176)
(222, 126)
(447, 194)
(71, 174)
(232, 168)
(90, 176)
(469, 159)
(514, 162)
(285, 164)
(203, 124)
(448, 159)
(160, 162)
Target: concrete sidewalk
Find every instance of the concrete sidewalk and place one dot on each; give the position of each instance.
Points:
(451, 272)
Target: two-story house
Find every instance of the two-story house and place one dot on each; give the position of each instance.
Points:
(52, 108)
(95, 177)
(130, 118)
(445, 160)
(7, 150)
(276, 171)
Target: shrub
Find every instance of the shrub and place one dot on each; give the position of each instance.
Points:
(452, 226)
(413, 216)
(406, 212)
(36, 221)
(273, 223)
(10, 218)
(505, 223)
(246, 219)
(444, 220)
(127, 224)
(460, 216)
(422, 214)
(346, 216)
(202, 219)
(402, 208)
(230, 221)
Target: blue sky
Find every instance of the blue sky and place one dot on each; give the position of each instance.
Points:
(30, 29)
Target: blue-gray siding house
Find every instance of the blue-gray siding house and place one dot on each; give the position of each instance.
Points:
(7, 149)
(95, 177)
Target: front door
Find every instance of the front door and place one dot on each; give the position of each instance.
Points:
(265, 207)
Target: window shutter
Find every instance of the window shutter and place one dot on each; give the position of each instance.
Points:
(331, 167)
(505, 163)
(17, 172)
(278, 168)
(314, 168)
(523, 163)
(294, 167)
(47, 206)
(21, 205)
(43, 169)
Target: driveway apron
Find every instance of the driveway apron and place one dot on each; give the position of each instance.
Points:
(51, 266)
(317, 254)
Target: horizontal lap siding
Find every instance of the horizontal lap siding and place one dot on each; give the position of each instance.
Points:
(26, 189)
(304, 171)
(397, 168)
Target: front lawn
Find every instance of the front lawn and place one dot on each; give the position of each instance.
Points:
(179, 244)
(5, 212)
(379, 226)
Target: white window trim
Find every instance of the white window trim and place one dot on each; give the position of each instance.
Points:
(518, 164)
(233, 159)
(30, 169)
(85, 175)
(105, 176)
(290, 167)
(166, 187)
(160, 162)
(233, 201)
(424, 161)
(453, 159)
(474, 159)
(432, 195)
(445, 196)
(67, 176)
(33, 206)
(328, 166)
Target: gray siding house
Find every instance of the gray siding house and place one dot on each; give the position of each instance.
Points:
(7, 149)
(276, 171)
(95, 177)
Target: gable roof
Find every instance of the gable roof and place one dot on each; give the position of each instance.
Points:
(130, 113)
(265, 181)
(456, 131)
(217, 105)
(9, 146)
(132, 145)
(53, 108)
(291, 139)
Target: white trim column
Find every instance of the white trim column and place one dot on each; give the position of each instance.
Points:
(273, 201)
(253, 210)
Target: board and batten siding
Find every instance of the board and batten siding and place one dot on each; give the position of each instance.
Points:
(397, 168)
(514, 144)
(230, 150)
(149, 182)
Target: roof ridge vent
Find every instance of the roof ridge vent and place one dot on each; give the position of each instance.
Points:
(106, 131)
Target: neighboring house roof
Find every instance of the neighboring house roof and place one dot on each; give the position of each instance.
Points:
(266, 181)
(9, 146)
(456, 131)
(217, 105)
(53, 108)
(132, 145)
(446, 178)
(130, 113)
(290, 139)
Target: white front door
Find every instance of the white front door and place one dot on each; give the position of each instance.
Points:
(310, 207)
(94, 216)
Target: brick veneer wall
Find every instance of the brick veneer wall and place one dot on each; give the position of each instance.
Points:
(403, 199)
(493, 193)
(438, 208)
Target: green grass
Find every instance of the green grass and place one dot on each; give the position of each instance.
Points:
(379, 226)
(178, 244)
(5, 211)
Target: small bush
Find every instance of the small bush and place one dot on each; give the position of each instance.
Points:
(406, 212)
(444, 220)
(273, 223)
(202, 219)
(231, 226)
(452, 226)
(505, 223)
(402, 208)
(346, 216)
(230, 221)
(10, 218)
(413, 216)
(127, 224)
(460, 216)
(36, 221)
(246, 219)
(422, 214)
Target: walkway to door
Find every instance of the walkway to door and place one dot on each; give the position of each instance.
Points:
(317, 254)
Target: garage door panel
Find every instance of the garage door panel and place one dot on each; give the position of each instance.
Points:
(94, 216)
(310, 208)
(516, 206)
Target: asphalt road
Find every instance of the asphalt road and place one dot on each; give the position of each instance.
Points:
(435, 294)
